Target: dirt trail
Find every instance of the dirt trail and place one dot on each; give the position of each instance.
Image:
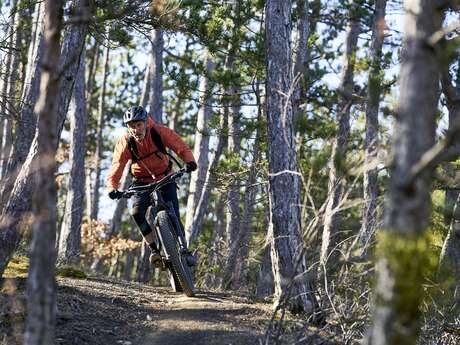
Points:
(99, 311)
(105, 312)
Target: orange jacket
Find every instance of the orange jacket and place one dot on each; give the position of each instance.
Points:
(158, 166)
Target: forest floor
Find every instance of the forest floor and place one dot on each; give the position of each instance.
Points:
(101, 311)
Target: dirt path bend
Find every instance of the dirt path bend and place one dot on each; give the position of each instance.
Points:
(100, 312)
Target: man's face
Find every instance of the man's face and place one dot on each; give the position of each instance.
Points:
(137, 129)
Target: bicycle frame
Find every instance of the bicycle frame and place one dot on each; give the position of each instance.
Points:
(157, 204)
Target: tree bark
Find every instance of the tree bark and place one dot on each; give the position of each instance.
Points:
(301, 53)
(235, 268)
(288, 259)
(120, 209)
(337, 175)
(374, 91)
(450, 258)
(155, 100)
(99, 138)
(402, 255)
(238, 273)
(70, 241)
(200, 210)
(25, 128)
(201, 146)
(9, 76)
(41, 286)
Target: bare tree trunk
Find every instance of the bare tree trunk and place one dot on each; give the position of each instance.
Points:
(25, 127)
(70, 241)
(450, 258)
(120, 209)
(288, 259)
(234, 146)
(450, 254)
(8, 75)
(265, 282)
(92, 72)
(144, 268)
(215, 252)
(155, 100)
(402, 256)
(337, 175)
(234, 272)
(301, 53)
(100, 129)
(201, 148)
(15, 215)
(374, 92)
(41, 284)
(200, 210)
(238, 274)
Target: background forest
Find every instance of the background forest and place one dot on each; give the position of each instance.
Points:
(326, 135)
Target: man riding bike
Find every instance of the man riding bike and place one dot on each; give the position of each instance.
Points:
(145, 145)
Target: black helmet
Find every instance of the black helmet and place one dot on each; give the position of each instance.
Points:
(136, 113)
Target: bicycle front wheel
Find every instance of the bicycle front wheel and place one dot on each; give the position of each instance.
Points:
(173, 251)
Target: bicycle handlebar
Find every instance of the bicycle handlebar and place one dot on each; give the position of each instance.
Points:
(154, 185)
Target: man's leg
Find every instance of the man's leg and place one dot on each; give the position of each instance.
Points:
(140, 204)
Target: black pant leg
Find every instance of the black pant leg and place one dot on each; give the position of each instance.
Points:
(140, 204)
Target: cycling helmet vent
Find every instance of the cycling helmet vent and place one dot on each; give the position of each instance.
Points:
(136, 113)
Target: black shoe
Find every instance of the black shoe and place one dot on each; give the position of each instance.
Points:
(155, 259)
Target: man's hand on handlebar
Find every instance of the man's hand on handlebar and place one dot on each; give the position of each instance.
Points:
(115, 194)
(190, 166)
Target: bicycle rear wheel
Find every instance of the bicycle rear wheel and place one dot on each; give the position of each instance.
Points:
(176, 258)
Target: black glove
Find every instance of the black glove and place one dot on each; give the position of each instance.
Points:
(190, 166)
(115, 194)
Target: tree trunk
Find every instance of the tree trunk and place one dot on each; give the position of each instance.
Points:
(201, 147)
(374, 91)
(450, 258)
(8, 79)
(70, 241)
(25, 127)
(288, 259)
(265, 281)
(144, 268)
(41, 286)
(155, 100)
(242, 241)
(214, 254)
(337, 175)
(402, 257)
(200, 210)
(301, 58)
(115, 224)
(235, 268)
(92, 72)
(15, 215)
(99, 138)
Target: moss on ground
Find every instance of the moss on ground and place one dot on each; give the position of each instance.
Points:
(18, 267)
(70, 272)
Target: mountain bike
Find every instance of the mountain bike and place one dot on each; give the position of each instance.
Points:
(171, 241)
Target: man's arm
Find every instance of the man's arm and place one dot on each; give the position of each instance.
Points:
(172, 140)
(120, 158)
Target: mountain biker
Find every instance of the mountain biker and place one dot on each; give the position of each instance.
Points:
(145, 144)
